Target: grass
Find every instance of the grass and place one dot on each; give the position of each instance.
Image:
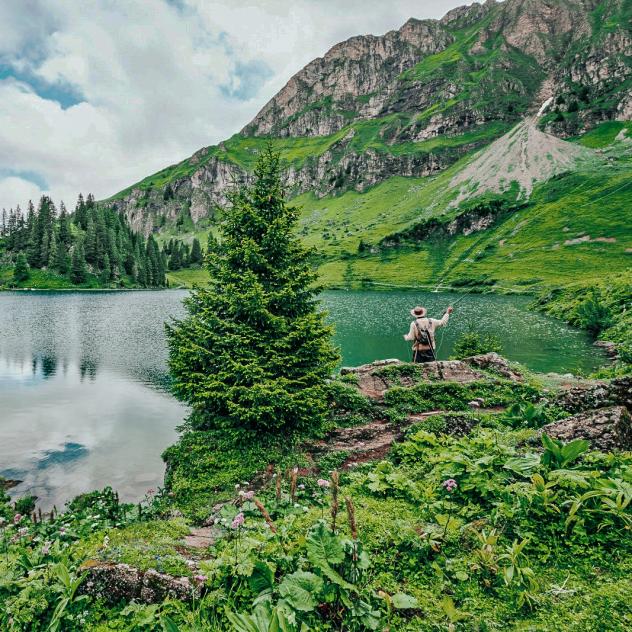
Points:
(188, 277)
(604, 134)
(45, 280)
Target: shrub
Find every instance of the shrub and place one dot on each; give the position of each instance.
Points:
(593, 315)
(472, 343)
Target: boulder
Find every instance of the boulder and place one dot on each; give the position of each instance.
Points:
(116, 583)
(607, 429)
(588, 396)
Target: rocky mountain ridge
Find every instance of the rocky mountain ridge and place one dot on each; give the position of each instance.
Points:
(414, 101)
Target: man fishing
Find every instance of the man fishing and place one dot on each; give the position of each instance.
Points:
(422, 332)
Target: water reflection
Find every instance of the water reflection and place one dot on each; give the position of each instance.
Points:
(84, 397)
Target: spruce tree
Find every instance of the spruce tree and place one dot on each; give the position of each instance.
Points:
(106, 273)
(78, 272)
(65, 236)
(21, 270)
(196, 257)
(53, 250)
(254, 351)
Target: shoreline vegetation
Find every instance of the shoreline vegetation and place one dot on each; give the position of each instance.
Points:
(456, 495)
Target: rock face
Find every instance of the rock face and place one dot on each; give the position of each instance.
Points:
(491, 62)
(607, 429)
(616, 392)
(373, 381)
(116, 583)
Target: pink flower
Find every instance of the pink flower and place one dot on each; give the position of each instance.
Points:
(249, 495)
(17, 518)
(238, 520)
(323, 483)
(200, 579)
(450, 485)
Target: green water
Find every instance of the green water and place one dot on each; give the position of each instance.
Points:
(84, 399)
(370, 325)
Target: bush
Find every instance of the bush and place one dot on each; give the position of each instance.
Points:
(593, 315)
(471, 344)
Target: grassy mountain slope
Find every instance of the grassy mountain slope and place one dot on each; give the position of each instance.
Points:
(574, 226)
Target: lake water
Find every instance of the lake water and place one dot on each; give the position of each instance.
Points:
(84, 399)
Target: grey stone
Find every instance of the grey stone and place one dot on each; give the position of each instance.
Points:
(607, 429)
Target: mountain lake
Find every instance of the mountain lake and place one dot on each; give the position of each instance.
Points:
(84, 387)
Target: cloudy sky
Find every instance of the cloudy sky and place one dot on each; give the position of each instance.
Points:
(97, 94)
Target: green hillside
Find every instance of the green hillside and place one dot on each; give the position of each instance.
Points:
(572, 228)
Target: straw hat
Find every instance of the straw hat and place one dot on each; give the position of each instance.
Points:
(418, 312)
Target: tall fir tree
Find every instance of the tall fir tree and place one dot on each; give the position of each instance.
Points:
(80, 217)
(196, 256)
(106, 272)
(254, 351)
(78, 272)
(21, 269)
(65, 234)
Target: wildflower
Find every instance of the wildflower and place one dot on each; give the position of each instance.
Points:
(200, 579)
(238, 520)
(249, 495)
(323, 483)
(17, 518)
(450, 485)
(46, 547)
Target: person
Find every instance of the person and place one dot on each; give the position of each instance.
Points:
(422, 331)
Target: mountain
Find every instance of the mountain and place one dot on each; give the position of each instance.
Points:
(485, 109)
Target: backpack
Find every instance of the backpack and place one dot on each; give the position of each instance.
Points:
(422, 336)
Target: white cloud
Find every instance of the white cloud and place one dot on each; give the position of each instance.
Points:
(15, 190)
(157, 79)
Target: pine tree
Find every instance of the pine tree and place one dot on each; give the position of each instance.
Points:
(106, 273)
(196, 257)
(65, 236)
(80, 217)
(254, 351)
(78, 272)
(53, 251)
(62, 262)
(21, 270)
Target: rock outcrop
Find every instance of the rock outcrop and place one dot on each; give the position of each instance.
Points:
(600, 394)
(606, 429)
(116, 583)
(373, 380)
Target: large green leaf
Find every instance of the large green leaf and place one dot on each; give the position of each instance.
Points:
(402, 601)
(324, 549)
(523, 465)
(300, 590)
(573, 449)
(262, 579)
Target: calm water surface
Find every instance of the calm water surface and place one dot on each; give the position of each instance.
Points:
(84, 397)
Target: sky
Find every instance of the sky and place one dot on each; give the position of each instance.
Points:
(97, 94)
